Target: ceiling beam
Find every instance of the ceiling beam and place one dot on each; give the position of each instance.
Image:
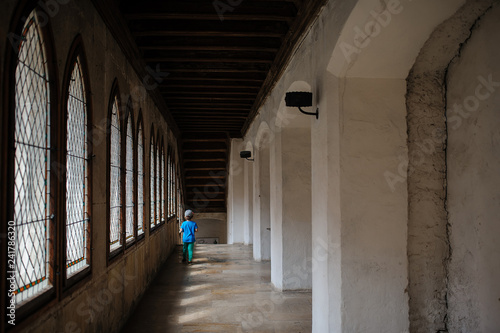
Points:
(207, 78)
(206, 33)
(208, 48)
(213, 86)
(204, 140)
(206, 17)
(205, 151)
(195, 178)
(209, 107)
(214, 60)
(204, 98)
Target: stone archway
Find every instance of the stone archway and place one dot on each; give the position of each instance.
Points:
(363, 136)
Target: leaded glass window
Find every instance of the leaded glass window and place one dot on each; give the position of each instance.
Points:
(129, 182)
(158, 176)
(77, 180)
(32, 208)
(140, 181)
(170, 176)
(152, 182)
(172, 193)
(115, 228)
(162, 184)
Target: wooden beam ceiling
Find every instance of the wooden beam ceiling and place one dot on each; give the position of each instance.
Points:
(222, 62)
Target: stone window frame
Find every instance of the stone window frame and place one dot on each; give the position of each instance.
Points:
(53, 163)
(140, 212)
(114, 101)
(152, 182)
(77, 57)
(129, 120)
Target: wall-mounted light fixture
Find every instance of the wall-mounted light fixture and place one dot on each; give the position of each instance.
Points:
(246, 154)
(300, 99)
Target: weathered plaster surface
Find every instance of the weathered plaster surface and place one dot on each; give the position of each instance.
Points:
(473, 161)
(428, 243)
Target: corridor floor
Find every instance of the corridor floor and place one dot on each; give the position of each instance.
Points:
(224, 290)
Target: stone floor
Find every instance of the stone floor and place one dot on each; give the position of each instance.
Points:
(224, 290)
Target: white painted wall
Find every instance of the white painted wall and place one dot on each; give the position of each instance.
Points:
(276, 214)
(261, 209)
(373, 217)
(235, 198)
(296, 215)
(326, 212)
(211, 225)
(473, 158)
(359, 222)
(248, 199)
(257, 243)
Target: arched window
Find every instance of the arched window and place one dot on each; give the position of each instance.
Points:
(77, 174)
(140, 180)
(158, 180)
(162, 217)
(115, 186)
(33, 214)
(32, 209)
(174, 186)
(180, 200)
(152, 181)
(171, 208)
(171, 181)
(129, 179)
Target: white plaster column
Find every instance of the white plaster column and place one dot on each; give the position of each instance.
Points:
(360, 221)
(276, 213)
(261, 211)
(291, 208)
(235, 196)
(326, 217)
(248, 202)
(257, 254)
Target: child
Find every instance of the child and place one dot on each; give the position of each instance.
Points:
(189, 228)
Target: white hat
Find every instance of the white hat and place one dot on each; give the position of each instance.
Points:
(188, 213)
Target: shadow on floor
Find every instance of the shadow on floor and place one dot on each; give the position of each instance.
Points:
(224, 290)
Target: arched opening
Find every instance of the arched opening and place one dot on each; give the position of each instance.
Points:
(360, 214)
(452, 178)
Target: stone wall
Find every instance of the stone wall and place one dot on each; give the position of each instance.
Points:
(102, 301)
